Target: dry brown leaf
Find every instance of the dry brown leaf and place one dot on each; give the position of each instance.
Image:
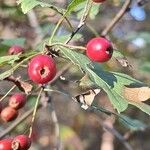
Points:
(123, 62)
(137, 93)
(25, 86)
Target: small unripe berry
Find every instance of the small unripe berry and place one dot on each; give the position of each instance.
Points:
(9, 114)
(21, 142)
(42, 69)
(15, 49)
(6, 144)
(17, 101)
(98, 1)
(99, 49)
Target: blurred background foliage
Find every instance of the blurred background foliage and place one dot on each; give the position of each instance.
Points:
(79, 129)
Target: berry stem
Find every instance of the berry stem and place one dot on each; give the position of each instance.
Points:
(34, 112)
(56, 28)
(7, 93)
(69, 46)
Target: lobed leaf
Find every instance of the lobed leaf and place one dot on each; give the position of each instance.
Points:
(113, 83)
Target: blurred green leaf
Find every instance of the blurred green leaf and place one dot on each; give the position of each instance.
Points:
(66, 132)
(16, 41)
(94, 11)
(145, 66)
(73, 5)
(9, 59)
(25, 57)
(132, 124)
(144, 107)
(27, 5)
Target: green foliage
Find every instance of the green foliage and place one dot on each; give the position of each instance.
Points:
(132, 124)
(16, 41)
(112, 83)
(145, 67)
(8, 59)
(73, 5)
(27, 5)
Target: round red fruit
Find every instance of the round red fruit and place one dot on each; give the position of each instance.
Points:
(17, 101)
(99, 49)
(98, 1)
(9, 114)
(21, 142)
(15, 49)
(42, 69)
(5, 144)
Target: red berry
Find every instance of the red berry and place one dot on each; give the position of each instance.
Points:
(98, 1)
(15, 49)
(42, 69)
(5, 144)
(99, 49)
(9, 114)
(21, 142)
(17, 101)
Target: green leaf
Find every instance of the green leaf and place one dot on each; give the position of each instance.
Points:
(9, 59)
(132, 124)
(117, 53)
(144, 107)
(94, 11)
(112, 83)
(16, 41)
(73, 5)
(25, 57)
(6, 74)
(27, 5)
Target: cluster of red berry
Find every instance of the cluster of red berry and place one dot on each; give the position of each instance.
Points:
(41, 70)
(16, 102)
(9, 113)
(20, 142)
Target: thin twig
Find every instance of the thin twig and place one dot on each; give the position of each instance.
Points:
(34, 112)
(117, 18)
(69, 46)
(56, 128)
(67, 20)
(115, 133)
(6, 94)
(82, 20)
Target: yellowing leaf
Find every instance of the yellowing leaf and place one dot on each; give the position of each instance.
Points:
(137, 93)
